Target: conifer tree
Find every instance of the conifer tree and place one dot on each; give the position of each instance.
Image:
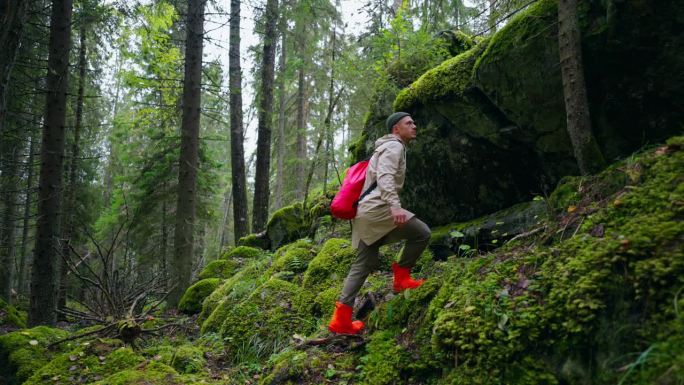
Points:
(189, 154)
(43, 294)
(261, 182)
(241, 223)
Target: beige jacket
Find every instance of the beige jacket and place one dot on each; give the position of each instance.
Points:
(388, 166)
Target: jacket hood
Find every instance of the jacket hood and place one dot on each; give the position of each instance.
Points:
(386, 139)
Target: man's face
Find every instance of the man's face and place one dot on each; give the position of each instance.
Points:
(405, 129)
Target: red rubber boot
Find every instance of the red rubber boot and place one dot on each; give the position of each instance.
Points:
(341, 322)
(403, 280)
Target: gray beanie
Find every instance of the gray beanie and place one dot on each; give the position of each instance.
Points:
(394, 118)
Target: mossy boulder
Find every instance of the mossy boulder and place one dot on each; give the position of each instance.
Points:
(25, 351)
(294, 258)
(401, 73)
(231, 292)
(287, 225)
(191, 302)
(330, 267)
(241, 253)
(491, 121)
(10, 317)
(255, 240)
(220, 268)
(265, 321)
(488, 232)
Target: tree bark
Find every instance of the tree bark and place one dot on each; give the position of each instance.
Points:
(189, 159)
(301, 134)
(70, 191)
(21, 279)
(237, 152)
(586, 150)
(329, 116)
(43, 294)
(12, 19)
(280, 161)
(263, 162)
(9, 182)
(227, 201)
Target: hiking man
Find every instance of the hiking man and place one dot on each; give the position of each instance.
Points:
(380, 220)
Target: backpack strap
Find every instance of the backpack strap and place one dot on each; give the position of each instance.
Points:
(368, 191)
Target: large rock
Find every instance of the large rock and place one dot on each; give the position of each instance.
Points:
(492, 128)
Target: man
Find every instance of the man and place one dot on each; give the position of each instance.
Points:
(380, 220)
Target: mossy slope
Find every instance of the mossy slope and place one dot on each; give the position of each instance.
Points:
(595, 298)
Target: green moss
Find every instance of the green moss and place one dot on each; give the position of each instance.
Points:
(263, 322)
(449, 78)
(254, 240)
(358, 149)
(243, 252)
(188, 359)
(330, 266)
(313, 366)
(294, 257)
(191, 302)
(405, 309)
(149, 373)
(324, 303)
(382, 363)
(232, 291)
(287, 225)
(287, 365)
(566, 193)
(10, 316)
(86, 363)
(221, 268)
(23, 352)
(568, 312)
(518, 31)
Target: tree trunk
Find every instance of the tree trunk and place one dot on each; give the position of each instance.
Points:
(280, 177)
(227, 200)
(43, 294)
(237, 152)
(188, 162)
(587, 152)
(263, 162)
(12, 19)
(70, 190)
(164, 243)
(21, 279)
(9, 182)
(329, 116)
(301, 134)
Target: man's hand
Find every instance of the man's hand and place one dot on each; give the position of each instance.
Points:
(399, 216)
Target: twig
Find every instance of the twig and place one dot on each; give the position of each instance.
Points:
(75, 337)
(527, 234)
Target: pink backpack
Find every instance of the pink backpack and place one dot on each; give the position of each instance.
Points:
(346, 200)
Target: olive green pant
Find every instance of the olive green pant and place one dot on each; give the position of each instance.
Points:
(417, 235)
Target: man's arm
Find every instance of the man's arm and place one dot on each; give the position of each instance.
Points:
(388, 167)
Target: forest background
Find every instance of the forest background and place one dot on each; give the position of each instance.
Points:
(134, 154)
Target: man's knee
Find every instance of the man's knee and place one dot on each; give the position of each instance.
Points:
(422, 231)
